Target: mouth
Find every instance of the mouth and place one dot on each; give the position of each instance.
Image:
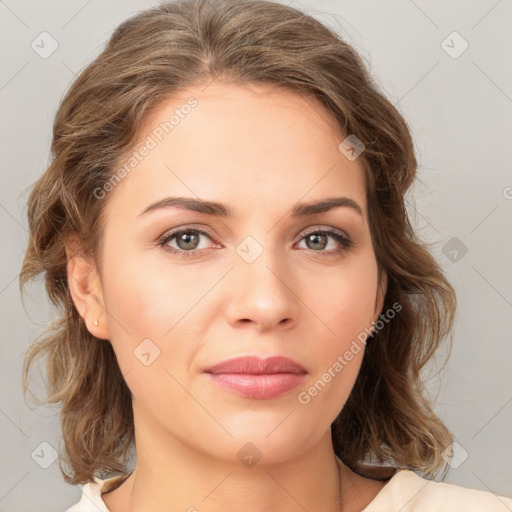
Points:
(256, 378)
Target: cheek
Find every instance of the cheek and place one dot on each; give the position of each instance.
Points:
(143, 300)
(345, 308)
(141, 313)
(137, 308)
(344, 300)
(153, 320)
(131, 299)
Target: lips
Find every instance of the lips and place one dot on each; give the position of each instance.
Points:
(256, 378)
(252, 365)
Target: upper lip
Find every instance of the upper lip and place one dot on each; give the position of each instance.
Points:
(253, 365)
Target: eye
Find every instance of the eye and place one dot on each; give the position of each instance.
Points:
(188, 240)
(318, 240)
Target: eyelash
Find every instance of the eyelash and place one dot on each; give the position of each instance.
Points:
(346, 242)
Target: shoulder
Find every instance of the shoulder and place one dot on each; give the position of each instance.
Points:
(408, 492)
(91, 499)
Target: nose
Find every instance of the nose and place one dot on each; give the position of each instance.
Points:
(262, 294)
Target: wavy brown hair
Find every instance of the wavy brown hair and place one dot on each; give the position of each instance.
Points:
(166, 49)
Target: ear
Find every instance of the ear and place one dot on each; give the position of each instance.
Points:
(85, 288)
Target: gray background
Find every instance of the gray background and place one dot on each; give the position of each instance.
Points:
(460, 113)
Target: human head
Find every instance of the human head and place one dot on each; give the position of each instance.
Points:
(148, 59)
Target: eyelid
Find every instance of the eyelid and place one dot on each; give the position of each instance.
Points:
(201, 228)
(343, 238)
(321, 227)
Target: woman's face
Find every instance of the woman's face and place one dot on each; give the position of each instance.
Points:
(255, 282)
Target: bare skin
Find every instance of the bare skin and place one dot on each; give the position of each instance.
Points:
(357, 491)
(259, 151)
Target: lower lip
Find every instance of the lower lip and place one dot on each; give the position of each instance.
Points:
(258, 386)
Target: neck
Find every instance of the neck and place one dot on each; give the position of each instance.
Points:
(225, 487)
(172, 475)
(316, 480)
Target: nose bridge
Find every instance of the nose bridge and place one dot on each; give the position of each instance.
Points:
(261, 263)
(263, 291)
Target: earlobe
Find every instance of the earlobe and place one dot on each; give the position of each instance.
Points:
(85, 290)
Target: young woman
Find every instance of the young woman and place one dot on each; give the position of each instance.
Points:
(242, 296)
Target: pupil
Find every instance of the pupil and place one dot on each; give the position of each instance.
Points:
(315, 239)
(186, 237)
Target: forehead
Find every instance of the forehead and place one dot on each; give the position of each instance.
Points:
(244, 145)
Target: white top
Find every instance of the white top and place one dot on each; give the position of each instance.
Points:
(404, 492)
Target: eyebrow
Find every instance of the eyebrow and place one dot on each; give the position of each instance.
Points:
(221, 210)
